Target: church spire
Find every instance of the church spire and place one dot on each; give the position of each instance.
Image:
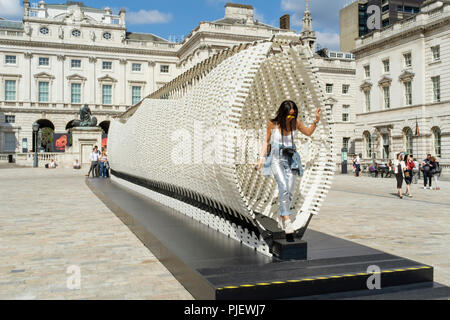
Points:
(308, 33)
(307, 20)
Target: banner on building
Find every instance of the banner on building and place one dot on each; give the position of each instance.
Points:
(104, 140)
(60, 142)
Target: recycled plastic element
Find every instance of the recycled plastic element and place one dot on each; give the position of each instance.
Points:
(231, 95)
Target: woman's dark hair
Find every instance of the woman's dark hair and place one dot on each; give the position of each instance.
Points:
(283, 112)
(398, 155)
(405, 158)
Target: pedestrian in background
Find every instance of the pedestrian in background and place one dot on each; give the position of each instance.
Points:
(426, 168)
(94, 162)
(354, 166)
(103, 160)
(357, 165)
(408, 174)
(435, 172)
(399, 167)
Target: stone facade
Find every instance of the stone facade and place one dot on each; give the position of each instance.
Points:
(337, 73)
(61, 57)
(403, 75)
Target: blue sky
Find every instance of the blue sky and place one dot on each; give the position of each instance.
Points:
(173, 19)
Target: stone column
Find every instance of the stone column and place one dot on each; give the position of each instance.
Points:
(93, 88)
(61, 77)
(152, 81)
(27, 81)
(123, 79)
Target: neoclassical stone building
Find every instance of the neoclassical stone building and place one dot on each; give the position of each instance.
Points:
(61, 57)
(403, 75)
(337, 72)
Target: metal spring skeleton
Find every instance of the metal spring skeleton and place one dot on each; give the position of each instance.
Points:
(156, 147)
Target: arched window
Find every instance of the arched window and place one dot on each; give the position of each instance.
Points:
(409, 141)
(437, 141)
(368, 145)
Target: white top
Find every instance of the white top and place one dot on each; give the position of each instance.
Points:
(52, 165)
(94, 156)
(287, 140)
(402, 164)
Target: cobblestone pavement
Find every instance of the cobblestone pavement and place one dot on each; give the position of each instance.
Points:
(367, 211)
(50, 220)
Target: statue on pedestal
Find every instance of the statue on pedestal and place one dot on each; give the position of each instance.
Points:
(86, 119)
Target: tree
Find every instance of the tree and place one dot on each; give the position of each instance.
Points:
(47, 139)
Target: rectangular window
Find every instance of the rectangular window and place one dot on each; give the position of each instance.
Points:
(367, 95)
(136, 94)
(164, 68)
(345, 113)
(136, 67)
(10, 90)
(10, 59)
(386, 65)
(10, 119)
(43, 88)
(408, 59)
(329, 88)
(107, 94)
(75, 92)
(436, 53)
(10, 141)
(408, 93)
(367, 71)
(436, 88)
(387, 97)
(345, 88)
(107, 65)
(75, 63)
(345, 142)
(115, 21)
(44, 61)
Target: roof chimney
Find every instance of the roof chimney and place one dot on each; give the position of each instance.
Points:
(285, 22)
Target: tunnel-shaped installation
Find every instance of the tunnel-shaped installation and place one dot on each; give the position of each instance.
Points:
(194, 142)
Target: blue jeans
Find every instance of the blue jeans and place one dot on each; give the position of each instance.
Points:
(285, 178)
(102, 170)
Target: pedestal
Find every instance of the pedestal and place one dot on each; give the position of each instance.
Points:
(294, 249)
(84, 139)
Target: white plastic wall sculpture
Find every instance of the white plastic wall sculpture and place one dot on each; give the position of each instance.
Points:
(192, 144)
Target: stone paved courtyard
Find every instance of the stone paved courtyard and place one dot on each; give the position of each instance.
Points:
(50, 220)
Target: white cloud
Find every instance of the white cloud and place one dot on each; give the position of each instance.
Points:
(325, 16)
(259, 16)
(325, 13)
(293, 5)
(328, 40)
(148, 17)
(11, 9)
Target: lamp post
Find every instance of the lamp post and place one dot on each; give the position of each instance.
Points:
(35, 131)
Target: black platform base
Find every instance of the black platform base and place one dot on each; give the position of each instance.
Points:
(212, 266)
(290, 248)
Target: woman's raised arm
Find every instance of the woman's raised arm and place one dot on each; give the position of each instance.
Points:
(309, 131)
